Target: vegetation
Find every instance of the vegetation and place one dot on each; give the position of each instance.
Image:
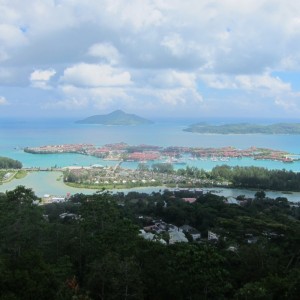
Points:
(117, 117)
(164, 174)
(8, 163)
(95, 252)
(21, 174)
(110, 186)
(258, 178)
(245, 128)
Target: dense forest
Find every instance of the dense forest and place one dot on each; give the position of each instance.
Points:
(8, 163)
(259, 178)
(238, 177)
(89, 247)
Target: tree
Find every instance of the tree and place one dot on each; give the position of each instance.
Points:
(260, 195)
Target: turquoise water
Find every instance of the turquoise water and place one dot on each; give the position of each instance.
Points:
(16, 134)
(47, 183)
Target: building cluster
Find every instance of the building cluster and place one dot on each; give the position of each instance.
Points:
(169, 233)
(115, 175)
(139, 153)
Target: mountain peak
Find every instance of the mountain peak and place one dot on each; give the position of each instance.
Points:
(117, 117)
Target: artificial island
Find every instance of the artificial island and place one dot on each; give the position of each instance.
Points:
(170, 167)
(173, 154)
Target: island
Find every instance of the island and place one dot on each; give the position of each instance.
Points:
(117, 117)
(173, 154)
(245, 128)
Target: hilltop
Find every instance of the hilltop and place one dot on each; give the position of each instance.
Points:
(117, 117)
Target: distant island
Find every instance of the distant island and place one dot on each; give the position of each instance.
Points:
(117, 117)
(245, 128)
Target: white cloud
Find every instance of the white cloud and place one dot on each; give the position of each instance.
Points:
(43, 75)
(136, 13)
(180, 96)
(175, 44)
(3, 100)
(234, 46)
(75, 98)
(92, 75)
(11, 36)
(262, 87)
(105, 51)
(173, 78)
(255, 83)
(40, 78)
(265, 81)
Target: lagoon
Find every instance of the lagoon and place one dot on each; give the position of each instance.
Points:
(17, 134)
(50, 182)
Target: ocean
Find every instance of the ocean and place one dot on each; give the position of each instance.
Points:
(18, 134)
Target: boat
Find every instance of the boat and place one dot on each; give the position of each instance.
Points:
(224, 159)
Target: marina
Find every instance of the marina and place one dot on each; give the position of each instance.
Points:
(177, 155)
(147, 145)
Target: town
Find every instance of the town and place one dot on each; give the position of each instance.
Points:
(98, 177)
(174, 154)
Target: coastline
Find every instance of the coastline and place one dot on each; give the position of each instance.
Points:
(46, 182)
(124, 152)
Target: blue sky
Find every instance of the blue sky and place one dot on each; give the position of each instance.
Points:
(160, 58)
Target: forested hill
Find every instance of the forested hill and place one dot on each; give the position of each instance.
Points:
(90, 248)
(117, 117)
(246, 128)
(8, 163)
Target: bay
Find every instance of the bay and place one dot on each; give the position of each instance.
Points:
(46, 182)
(17, 134)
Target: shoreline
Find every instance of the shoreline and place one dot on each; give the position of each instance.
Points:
(50, 182)
(124, 152)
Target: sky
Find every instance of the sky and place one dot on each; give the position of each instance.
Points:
(162, 58)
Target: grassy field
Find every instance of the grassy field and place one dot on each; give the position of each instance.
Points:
(21, 174)
(14, 175)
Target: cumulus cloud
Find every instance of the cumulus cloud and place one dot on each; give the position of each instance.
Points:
(264, 86)
(264, 82)
(180, 96)
(126, 49)
(93, 75)
(233, 38)
(40, 78)
(11, 36)
(43, 75)
(74, 97)
(105, 51)
(136, 13)
(173, 78)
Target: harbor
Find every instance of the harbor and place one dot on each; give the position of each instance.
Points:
(124, 152)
